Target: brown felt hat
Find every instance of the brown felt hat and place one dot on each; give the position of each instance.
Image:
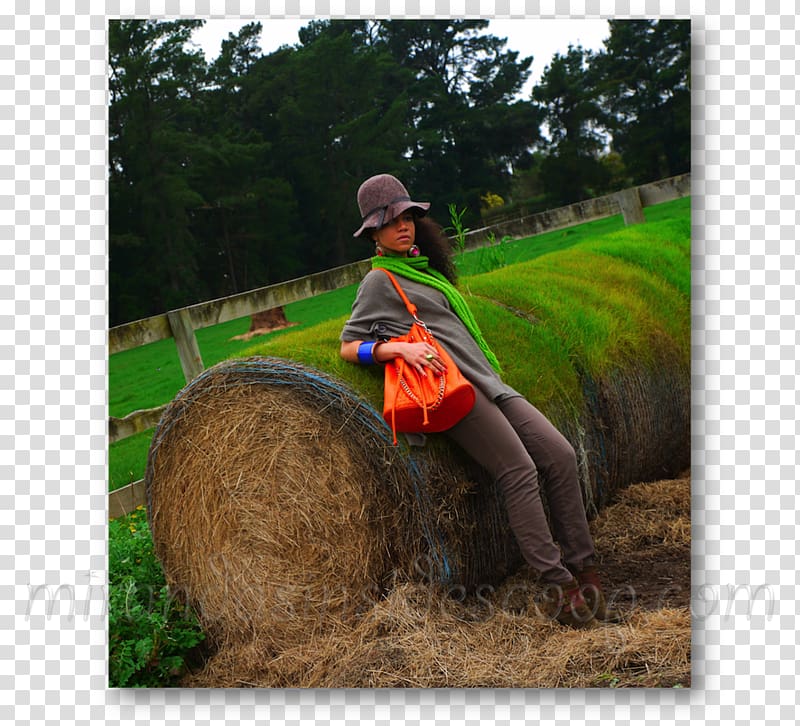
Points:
(381, 198)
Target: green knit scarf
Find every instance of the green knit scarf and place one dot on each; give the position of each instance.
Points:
(418, 270)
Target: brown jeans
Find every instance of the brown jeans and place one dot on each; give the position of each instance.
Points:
(514, 443)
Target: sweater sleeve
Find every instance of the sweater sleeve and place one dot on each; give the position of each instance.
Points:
(378, 313)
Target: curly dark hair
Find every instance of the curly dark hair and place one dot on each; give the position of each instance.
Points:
(434, 244)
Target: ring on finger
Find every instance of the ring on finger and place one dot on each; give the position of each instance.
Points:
(429, 356)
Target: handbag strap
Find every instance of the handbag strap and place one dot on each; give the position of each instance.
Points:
(409, 305)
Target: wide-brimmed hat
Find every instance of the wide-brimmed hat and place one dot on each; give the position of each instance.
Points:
(381, 198)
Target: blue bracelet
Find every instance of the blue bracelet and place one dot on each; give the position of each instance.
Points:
(365, 356)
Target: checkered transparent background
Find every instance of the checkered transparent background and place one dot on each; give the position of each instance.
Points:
(53, 380)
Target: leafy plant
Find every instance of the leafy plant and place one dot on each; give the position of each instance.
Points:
(151, 634)
(608, 679)
(491, 200)
(458, 229)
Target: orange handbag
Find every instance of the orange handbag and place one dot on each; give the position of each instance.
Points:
(418, 403)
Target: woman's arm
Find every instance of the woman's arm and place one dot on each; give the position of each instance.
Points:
(413, 353)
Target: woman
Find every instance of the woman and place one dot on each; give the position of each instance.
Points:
(504, 433)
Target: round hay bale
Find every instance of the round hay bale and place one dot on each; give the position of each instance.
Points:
(634, 426)
(278, 505)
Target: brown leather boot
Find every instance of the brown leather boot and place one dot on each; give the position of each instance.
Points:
(592, 591)
(566, 604)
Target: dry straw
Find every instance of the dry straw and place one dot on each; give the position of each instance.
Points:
(422, 636)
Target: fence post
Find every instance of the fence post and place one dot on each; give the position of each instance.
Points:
(180, 321)
(631, 205)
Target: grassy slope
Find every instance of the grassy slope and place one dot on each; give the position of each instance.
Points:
(594, 314)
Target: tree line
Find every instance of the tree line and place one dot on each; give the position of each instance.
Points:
(242, 171)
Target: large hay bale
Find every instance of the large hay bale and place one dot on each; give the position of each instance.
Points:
(279, 506)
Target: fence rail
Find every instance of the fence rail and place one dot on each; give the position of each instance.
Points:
(182, 323)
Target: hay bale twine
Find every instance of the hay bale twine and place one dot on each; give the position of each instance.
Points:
(279, 507)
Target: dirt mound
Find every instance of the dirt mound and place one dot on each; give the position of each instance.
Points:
(265, 322)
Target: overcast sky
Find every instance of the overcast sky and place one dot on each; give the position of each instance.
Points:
(529, 36)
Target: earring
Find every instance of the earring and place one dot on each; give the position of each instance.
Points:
(378, 251)
(413, 251)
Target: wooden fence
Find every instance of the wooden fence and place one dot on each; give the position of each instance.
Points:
(181, 324)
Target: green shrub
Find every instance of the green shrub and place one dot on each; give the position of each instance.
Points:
(150, 633)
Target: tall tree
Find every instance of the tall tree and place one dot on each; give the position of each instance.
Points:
(238, 53)
(153, 78)
(572, 113)
(335, 110)
(467, 130)
(643, 77)
(249, 220)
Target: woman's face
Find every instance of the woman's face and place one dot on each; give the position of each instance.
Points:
(397, 236)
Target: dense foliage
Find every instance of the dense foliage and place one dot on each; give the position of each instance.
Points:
(242, 172)
(151, 635)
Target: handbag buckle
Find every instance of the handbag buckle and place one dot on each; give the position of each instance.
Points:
(421, 323)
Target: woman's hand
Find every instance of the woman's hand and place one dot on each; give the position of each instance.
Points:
(420, 356)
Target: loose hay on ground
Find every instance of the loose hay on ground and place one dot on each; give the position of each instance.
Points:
(400, 645)
(652, 514)
(420, 636)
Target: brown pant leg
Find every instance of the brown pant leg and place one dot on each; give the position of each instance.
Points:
(558, 469)
(490, 439)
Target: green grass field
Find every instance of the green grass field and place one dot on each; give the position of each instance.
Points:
(151, 375)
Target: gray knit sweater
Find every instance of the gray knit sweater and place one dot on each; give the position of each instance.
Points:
(379, 313)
